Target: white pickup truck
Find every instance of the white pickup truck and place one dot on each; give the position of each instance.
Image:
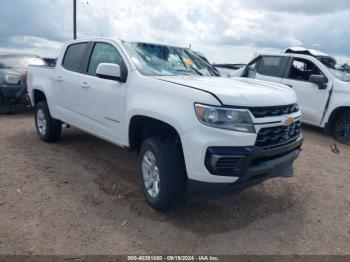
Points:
(322, 86)
(194, 131)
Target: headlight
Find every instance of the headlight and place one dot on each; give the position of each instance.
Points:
(13, 79)
(225, 118)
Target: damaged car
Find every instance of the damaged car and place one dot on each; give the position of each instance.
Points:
(321, 84)
(12, 79)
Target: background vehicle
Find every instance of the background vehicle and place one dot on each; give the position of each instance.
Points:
(12, 85)
(346, 68)
(322, 86)
(191, 128)
(228, 69)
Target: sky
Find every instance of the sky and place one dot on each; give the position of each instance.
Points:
(226, 31)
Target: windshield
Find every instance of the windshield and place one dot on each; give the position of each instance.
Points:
(340, 74)
(8, 62)
(162, 60)
(337, 70)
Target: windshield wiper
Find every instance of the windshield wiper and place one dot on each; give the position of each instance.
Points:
(183, 70)
(184, 63)
(197, 71)
(210, 68)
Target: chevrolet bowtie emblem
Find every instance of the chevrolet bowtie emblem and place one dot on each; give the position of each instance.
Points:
(289, 121)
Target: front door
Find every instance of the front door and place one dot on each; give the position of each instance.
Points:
(311, 99)
(102, 101)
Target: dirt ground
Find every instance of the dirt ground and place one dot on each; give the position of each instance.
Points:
(81, 196)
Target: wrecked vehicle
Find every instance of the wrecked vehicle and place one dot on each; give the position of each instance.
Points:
(322, 86)
(12, 79)
(227, 69)
(193, 131)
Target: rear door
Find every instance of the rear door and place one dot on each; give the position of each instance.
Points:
(268, 68)
(312, 100)
(102, 101)
(67, 75)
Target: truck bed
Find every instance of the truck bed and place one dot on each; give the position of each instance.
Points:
(40, 78)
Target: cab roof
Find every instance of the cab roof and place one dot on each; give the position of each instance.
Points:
(305, 51)
(120, 41)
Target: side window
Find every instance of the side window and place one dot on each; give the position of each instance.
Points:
(74, 56)
(103, 53)
(301, 69)
(272, 66)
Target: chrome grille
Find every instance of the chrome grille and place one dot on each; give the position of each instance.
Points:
(271, 136)
(274, 111)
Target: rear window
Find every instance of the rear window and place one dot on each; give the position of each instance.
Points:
(19, 61)
(272, 66)
(74, 56)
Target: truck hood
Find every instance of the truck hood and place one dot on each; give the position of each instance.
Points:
(238, 91)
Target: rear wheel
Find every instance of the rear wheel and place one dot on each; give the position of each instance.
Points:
(48, 128)
(163, 174)
(341, 129)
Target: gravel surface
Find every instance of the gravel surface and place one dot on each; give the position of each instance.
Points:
(81, 196)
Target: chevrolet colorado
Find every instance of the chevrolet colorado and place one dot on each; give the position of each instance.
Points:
(194, 131)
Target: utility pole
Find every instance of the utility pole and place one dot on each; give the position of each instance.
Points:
(74, 19)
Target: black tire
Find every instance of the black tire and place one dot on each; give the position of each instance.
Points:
(5, 106)
(172, 173)
(341, 130)
(51, 128)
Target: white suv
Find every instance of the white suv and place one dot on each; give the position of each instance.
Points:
(192, 129)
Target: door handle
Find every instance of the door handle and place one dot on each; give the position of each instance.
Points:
(289, 85)
(84, 85)
(59, 79)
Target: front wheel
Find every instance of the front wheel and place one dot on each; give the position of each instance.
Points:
(341, 129)
(48, 128)
(163, 174)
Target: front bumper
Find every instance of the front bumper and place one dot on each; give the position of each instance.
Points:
(254, 166)
(239, 161)
(14, 93)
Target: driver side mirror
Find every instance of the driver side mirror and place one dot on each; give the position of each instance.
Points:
(110, 71)
(319, 80)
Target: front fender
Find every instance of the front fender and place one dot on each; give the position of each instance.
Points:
(169, 103)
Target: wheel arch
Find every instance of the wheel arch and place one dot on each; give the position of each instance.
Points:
(142, 127)
(333, 117)
(38, 96)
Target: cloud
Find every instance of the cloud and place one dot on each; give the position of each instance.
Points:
(41, 18)
(241, 26)
(34, 42)
(310, 7)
